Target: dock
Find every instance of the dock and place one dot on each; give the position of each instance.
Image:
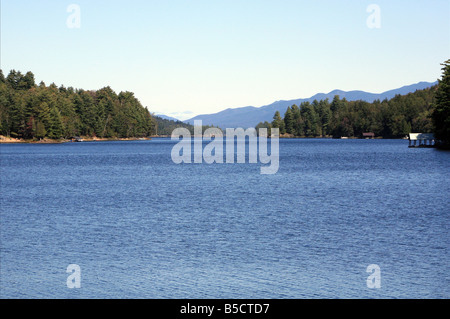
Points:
(422, 140)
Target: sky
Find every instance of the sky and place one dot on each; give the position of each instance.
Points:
(182, 58)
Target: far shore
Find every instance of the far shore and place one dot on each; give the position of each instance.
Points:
(12, 140)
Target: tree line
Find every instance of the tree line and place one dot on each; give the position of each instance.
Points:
(424, 111)
(31, 111)
(165, 127)
(394, 118)
(441, 114)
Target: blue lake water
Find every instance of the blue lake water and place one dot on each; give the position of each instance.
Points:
(140, 226)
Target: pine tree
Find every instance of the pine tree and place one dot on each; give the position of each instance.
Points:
(336, 104)
(278, 122)
(55, 129)
(27, 81)
(441, 115)
(16, 111)
(311, 120)
(42, 113)
(2, 77)
(289, 121)
(265, 125)
(41, 132)
(13, 79)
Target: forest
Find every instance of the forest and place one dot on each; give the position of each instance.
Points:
(31, 111)
(165, 127)
(394, 118)
(423, 111)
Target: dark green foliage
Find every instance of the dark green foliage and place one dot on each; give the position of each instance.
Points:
(265, 125)
(441, 114)
(32, 111)
(165, 127)
(393, 118)
(289, 121)
(55, 127)
(18, 81)
(278, 122)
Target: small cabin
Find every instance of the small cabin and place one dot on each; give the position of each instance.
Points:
(421, 140)
(368, 135)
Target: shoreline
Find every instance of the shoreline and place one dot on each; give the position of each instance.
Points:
(12, 140)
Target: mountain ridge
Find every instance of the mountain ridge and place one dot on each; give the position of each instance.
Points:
(250, 116)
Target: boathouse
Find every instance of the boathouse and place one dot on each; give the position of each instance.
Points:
(421, 140)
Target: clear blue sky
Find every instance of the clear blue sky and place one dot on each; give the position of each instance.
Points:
(204, 56)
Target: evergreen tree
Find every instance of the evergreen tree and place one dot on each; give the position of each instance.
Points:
(40, 130)
(336, 104)
(441, 115)
(55, 125)
(295, 111)
(27, 81)
(289, 121)
(42, 114)
(323, 111)
(311, 120)
(265, 125)
(278, 122)
(13, 79)
(16, 111)
(2, 77)
(4, 114)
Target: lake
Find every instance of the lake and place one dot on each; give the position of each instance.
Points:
(140, 226)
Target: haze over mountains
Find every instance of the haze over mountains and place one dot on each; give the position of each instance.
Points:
(165, 117)
(250, 116)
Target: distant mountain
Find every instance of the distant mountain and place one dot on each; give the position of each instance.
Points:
(250, 116)
(165, 117)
